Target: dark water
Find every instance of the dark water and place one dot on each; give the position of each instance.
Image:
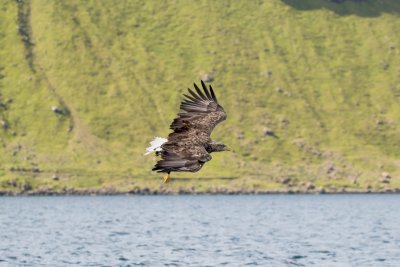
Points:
(275, 230)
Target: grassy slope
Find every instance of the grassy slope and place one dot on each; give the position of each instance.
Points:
(118, 69)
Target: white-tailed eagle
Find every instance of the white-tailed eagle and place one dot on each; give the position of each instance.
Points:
(189, 146)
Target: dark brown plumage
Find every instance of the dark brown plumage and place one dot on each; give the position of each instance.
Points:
(189, 145)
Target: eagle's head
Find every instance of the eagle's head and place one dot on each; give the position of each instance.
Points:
(217, 147)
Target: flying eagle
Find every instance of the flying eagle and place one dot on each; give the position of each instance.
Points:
(189, 146)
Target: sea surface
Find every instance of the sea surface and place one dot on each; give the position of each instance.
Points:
(267, 230)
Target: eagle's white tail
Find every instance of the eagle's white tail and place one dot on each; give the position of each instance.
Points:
(155, 145)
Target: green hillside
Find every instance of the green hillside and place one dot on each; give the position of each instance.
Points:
(323, 76)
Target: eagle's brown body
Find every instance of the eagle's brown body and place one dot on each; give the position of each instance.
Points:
(190, 145)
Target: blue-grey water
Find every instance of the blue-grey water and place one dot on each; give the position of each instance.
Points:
(269, 230)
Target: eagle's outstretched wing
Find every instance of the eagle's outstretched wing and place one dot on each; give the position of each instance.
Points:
(201, 112)
(176, 158)
(185, 148)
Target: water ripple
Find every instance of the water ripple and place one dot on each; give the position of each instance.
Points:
(345, 230)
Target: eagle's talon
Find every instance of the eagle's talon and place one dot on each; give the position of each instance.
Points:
(166, 178)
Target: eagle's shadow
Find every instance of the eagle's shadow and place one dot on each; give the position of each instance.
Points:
(362, 8)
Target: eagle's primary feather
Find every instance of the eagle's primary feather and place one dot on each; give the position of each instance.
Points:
(189, 145)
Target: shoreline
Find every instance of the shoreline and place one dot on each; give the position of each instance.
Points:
(146, 191)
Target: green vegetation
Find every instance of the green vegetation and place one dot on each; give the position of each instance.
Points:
(324, 77)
